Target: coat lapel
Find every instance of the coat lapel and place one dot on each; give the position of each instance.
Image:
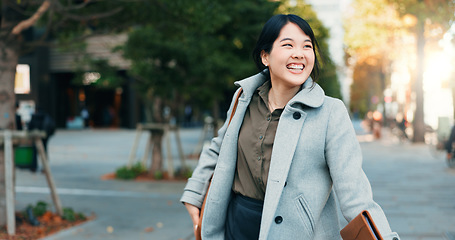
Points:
(286, 140)
(282, 155)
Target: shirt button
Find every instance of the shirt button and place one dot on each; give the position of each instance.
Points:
(261, 137)
(268, 118)
(259, 158)
(296, 115)
(278, 220)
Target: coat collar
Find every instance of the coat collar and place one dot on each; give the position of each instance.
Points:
(312, 96)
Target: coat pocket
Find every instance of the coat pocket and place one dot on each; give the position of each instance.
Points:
(305, 213)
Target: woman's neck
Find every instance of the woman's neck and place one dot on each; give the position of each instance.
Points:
(279, 95)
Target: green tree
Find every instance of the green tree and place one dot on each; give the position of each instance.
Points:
(435, 16)
(195, 60)
(373, 29)
(328, 78)
(62, 19)
(366, 88)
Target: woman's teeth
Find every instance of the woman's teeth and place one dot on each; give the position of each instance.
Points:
(295, 66)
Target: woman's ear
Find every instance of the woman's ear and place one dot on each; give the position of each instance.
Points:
(265, 58)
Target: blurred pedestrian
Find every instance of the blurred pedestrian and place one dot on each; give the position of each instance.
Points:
(377, 124)
(85, 116)
(276, 166)
(41, 121)
(188, 116)
(401, 124)
(368, 122)
(450, 144)
(18, 119)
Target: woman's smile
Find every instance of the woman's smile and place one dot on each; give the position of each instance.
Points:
(296, 67)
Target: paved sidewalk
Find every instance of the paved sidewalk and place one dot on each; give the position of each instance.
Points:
(415, 189)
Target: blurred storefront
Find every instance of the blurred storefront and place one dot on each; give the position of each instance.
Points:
(52, 84)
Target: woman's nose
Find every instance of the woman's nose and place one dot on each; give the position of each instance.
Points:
(298, 54)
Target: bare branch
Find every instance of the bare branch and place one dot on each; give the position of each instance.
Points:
(79, 6)
(48, 25)
(94, 16)
(33, 19)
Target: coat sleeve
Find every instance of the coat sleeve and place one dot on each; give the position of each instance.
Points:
(344, 158)
(196, 187)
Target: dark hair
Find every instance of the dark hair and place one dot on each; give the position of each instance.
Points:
(270, 33)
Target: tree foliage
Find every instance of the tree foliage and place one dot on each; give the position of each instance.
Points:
(181, 51)
(379, 29)
(366, 89)
(373, 35)
(432, 19)
(199, 58)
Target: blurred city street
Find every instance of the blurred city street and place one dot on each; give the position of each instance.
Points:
(413, 185)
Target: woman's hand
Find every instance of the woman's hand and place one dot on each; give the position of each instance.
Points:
(194, 214)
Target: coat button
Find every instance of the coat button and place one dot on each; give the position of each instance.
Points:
(285, 183)
(296, 115)
(395, 238)
(278, 220)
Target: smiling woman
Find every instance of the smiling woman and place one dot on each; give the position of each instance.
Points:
(276, 165)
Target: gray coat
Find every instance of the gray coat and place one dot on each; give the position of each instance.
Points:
(315, 155)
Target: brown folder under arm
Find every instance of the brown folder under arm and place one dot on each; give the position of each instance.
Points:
(361, 227)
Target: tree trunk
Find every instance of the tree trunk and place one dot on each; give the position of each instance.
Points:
(157, 153)
(9, 56)
(418, 123)
(157, 137)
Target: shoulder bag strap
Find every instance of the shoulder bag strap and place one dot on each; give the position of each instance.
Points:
(199, 225)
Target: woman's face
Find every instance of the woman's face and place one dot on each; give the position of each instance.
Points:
(291, 59)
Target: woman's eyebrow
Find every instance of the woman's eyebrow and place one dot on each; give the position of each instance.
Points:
(290, 39)
(285, 39)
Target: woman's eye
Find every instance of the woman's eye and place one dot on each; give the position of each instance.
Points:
(308, 46)
(287, 45)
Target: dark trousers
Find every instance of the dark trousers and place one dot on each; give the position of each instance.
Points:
(243, 218)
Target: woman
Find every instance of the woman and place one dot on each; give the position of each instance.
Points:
(277, 165)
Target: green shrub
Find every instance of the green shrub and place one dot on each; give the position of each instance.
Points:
(70, 215)
(39, 209)
(42, 207)
(132, 172)
(158, 175)
(185, 172)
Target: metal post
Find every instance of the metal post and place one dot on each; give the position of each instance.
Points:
(10, 217)
(50, 181)
(170, 164)
(135, 145)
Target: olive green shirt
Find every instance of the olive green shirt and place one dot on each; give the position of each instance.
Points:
(255, 144)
